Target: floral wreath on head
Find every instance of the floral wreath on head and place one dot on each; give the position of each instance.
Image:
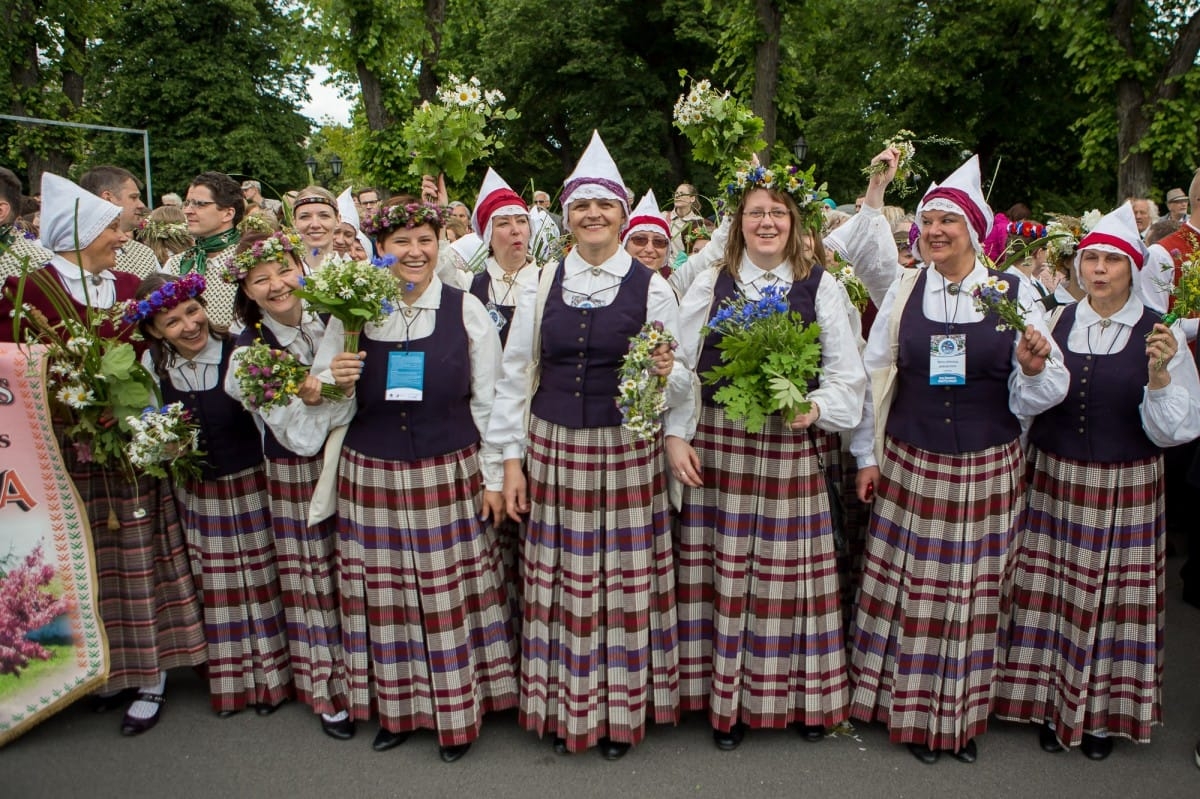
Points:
(268, 250)
(696, 229)
(154, 229)
(164, 298)
(253, 223)
(391, 217)
(789, 179)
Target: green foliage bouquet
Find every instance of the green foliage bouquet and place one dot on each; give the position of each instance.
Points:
(856, 290)
(768, 355)
(907, 166)
(448, 136)
(720, 127)
(1186, 291)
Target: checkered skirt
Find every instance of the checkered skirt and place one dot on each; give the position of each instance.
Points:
(1082, 634)
(425, 619)
(304, 557)
(228, 526)
(923, 654)
(760, 624)
(146, 596)
(599, 648)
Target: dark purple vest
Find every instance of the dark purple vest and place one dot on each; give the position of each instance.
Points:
(441, 422)
(271, 446)
(479, 287)
(582, 350)
(1099, 421)
(952, 419)
(228, 437)
(802, 298)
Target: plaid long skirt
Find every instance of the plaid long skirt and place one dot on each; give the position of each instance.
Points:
(923, 656)
(425, 622)
(1082, 634)
(599, 647)
(146, 597)
(304, 557)
(228, 526)
(760, 620)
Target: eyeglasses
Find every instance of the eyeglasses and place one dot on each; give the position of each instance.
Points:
(684, 196)
(642, 239)
(198, 203)
(759, 214)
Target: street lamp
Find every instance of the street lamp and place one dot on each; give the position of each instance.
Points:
(800, 148)
(335, 165)
(311, 163)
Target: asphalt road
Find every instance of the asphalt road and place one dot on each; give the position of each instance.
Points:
(192, 753)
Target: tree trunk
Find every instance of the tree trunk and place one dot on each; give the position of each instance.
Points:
(427, 80)
(766, 70)
(378, 117)
(1134, 169)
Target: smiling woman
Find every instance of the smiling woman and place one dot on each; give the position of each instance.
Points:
(426, 619)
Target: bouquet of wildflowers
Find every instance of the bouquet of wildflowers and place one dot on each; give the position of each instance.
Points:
(1186, 292)
(991, 299)
(1063, 233)
(720, 127)
(768, 356)
(356, 292)
(448, 136)
(94, 383)
(907, 167)
(268, 377)
(643, 397)
(855, 288)
(166, 435)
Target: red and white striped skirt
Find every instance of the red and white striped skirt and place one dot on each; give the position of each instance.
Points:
(1082, 628)
(425, 622)
(924, 645)
(599, 650)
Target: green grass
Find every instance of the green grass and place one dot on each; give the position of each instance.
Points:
(61, 654)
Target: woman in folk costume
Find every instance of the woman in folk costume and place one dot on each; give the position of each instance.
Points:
(759, 600)
(146, 597)
(348, 239)
(940, 457)
(226, 510)
(599, 657)
(501, 218)
(1082, 627)
(266, 269)
(425, 618)
(315, 217)
(648, 236)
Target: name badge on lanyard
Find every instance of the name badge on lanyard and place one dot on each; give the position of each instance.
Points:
(948, 359)
(497, 318)
(405, 376)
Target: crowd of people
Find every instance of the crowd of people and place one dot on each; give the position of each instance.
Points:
(449, 518)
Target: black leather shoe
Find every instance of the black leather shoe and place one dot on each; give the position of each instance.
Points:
(224, 714)
(560, 746)
(923, 753)
(266, 710)
(103, 704)
(611, 750)
(341, 730)
(809, 732)
(132, 725)
(451, 753)
(1095, 747)
(968, 754)
(728, 741)
(385, 740)
(1048, 740)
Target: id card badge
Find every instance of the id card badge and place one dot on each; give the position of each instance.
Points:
(948, 360)
(497, 318)
(405, 376)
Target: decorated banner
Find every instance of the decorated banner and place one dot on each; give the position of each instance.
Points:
(52, 645)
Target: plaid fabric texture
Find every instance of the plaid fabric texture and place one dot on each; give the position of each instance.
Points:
(228, 526)
(1082, 631)
(599, 654)
(760, 621)
(924, 644)
(425, 620)
(146, 596)
(304, 557)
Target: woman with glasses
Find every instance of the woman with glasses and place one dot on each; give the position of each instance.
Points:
(760, 622)
(648, 236)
